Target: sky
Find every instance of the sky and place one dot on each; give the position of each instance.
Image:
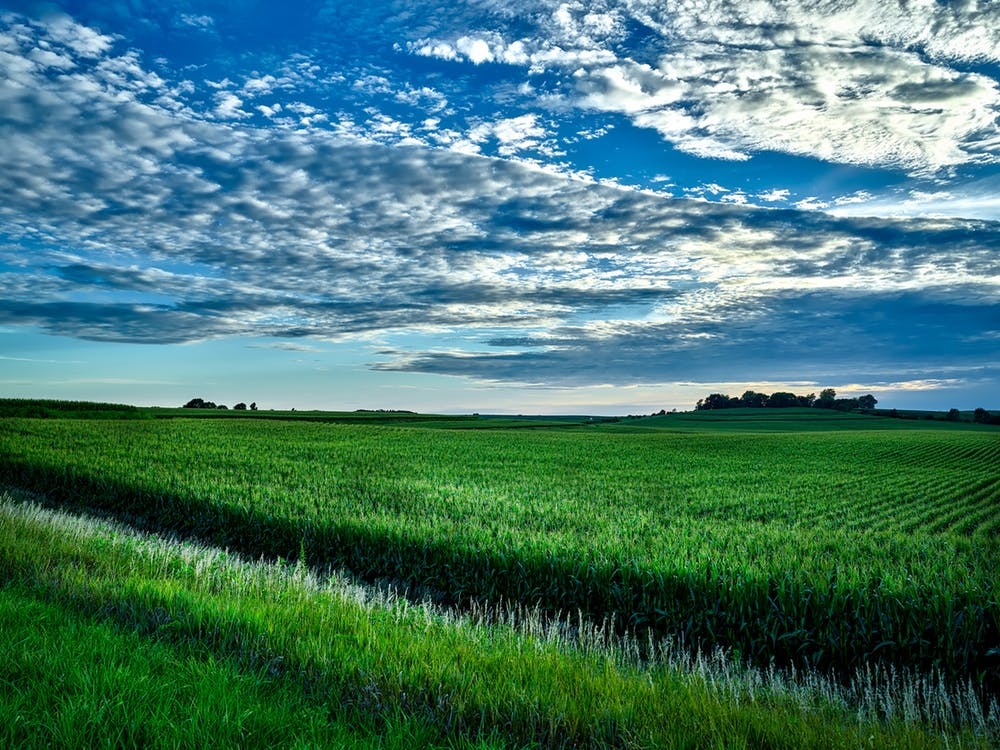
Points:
(523, 206)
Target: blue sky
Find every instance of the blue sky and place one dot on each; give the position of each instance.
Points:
(527, 206)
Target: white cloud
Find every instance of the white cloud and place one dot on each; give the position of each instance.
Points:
(440, 50)
(477, 50)
(373, 84)
(46, 58)
(776, 195)
(259, 85)
(424, 97)
(980, 199)
(852, 106)
(515, 53)
(228, 106)
(513, 134)
(812, 203)
(197, 21)
(82, 40)
(858, 196)
(628, 88)
(866, 83)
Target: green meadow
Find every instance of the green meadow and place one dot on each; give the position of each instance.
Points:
(722, 579)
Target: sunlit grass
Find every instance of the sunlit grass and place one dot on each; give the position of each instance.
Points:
(70, 680)
(102, 623)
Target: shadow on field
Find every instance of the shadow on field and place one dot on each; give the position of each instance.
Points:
(785, 622)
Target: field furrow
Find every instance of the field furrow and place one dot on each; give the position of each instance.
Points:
(931, 505)
(975, 496)
(982, 510)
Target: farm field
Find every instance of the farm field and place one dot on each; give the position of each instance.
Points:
(837, 546)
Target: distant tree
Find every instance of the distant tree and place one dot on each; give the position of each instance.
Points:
(954, 415)
(846, 404)
(753, 400)
(981, 416)
(782, 400)
(199, 403)
(717, 401)
(240, 406)
(826, 399)
(253, 406)
(221, 407)
(867, 401)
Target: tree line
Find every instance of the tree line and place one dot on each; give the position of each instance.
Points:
(200, 403)
(979, 416)
(827, 399)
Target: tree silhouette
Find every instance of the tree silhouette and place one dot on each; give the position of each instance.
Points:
(782, 400)
(826, 399)
(199, 403)
(753, 400)
(867, 401)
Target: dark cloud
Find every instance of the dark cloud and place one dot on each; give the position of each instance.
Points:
(130, 323)
(824, 337)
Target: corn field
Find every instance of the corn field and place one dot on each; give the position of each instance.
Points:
(834, 551)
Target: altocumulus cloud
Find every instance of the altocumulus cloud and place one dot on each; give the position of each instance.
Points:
(154, 216)
(866, 82)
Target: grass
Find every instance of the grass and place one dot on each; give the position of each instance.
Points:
(75, 682)
(798, 420)
(821, 549)
(678, 567)
(114, 638)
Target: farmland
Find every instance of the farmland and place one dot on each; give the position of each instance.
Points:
(833, 545)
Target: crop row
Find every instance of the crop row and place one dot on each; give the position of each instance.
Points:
(828, 550)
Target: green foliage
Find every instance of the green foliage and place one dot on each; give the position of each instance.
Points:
(784, 400)
(798, 420)
(73, 681)
(50, 409)
(981, 416)
(827, 398)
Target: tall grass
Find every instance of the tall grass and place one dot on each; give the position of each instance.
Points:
(70, 681)
(203, 644)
